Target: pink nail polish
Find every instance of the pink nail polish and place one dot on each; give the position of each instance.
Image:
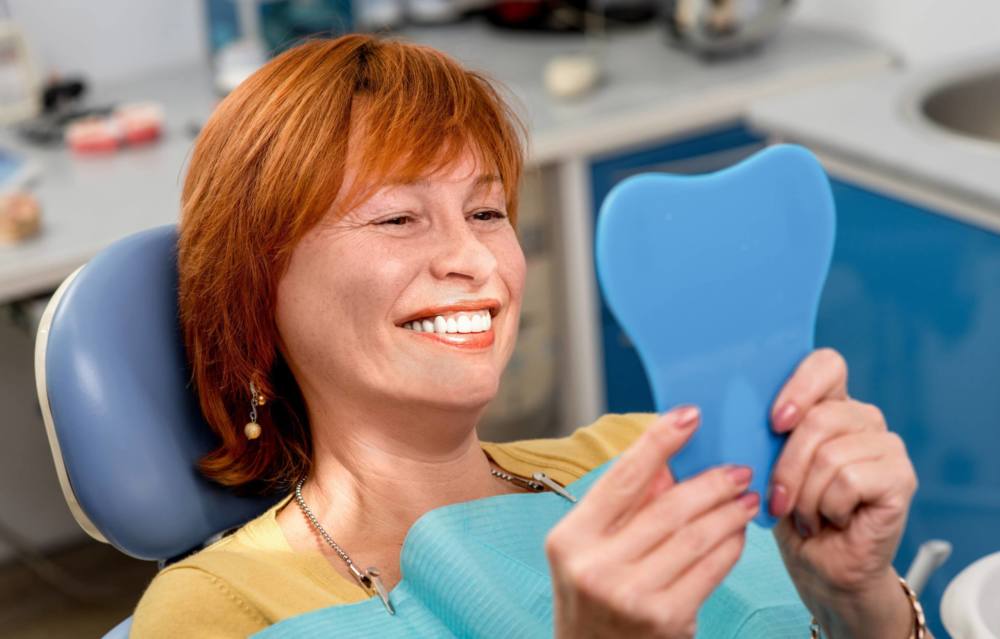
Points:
(778, 500)
(687, 417)
(750, 501)
(785, 416)
(740, 475)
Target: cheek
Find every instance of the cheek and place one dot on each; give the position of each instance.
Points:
(513, 269)
(332, 296)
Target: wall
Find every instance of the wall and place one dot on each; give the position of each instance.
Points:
(920, 31)
(111, 39)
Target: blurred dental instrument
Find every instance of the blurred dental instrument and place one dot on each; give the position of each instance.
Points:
(930, 556)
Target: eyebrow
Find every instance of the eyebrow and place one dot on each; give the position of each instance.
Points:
(481, 181)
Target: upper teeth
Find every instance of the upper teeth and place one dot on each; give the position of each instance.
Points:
(474, 322)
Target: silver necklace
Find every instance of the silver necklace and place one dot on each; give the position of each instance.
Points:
(370, 578)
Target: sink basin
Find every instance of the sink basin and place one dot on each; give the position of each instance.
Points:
(968, 607)
(968, 106)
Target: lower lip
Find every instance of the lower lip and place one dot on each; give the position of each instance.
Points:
(467, 341)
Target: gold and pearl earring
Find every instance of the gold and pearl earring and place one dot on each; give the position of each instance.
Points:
(252, 429)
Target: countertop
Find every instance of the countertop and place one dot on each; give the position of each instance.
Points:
(873, 124)
(651, 91)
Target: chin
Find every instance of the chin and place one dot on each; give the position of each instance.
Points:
(464, 394)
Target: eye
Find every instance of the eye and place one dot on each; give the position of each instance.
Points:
(399, 220)
(489, 214)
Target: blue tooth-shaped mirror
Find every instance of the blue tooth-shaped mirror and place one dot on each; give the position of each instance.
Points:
(716, 280)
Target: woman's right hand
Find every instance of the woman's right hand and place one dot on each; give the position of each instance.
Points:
(639, 553)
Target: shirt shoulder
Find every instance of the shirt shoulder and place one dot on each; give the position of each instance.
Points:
(569, 458)
(240, 584)
(188, 602)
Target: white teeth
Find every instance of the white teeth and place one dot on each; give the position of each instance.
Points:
(477, 322)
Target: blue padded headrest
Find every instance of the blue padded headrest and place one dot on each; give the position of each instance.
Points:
(716, 279)
(124, 424)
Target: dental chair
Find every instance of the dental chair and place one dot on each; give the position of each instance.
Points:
(123, 423)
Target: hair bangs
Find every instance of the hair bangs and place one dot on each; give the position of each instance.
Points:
(419, 119)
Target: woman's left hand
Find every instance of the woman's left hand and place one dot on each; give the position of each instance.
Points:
(842, 487)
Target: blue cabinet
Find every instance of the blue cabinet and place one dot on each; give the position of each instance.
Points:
(913, 303)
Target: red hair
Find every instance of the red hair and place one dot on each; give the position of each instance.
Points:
(267, 166)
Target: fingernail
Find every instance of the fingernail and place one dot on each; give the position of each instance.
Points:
(778, 500)
(785, 416)
(800, 525)
(687, 417)
(740, 475)
(750, 501)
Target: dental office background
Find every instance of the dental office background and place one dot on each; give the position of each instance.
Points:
(899, 98)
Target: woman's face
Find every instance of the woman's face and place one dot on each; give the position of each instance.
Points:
(413, 296)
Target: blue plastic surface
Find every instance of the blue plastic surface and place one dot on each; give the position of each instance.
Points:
(478, 569)
(627, 389)
(128, 424)
(716, 279)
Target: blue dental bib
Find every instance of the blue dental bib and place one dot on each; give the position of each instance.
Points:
(478, 569)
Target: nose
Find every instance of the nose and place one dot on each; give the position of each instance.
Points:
(460, 253)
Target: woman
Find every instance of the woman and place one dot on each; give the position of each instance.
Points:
(350, 278)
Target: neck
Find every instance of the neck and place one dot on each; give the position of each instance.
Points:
(376, 472)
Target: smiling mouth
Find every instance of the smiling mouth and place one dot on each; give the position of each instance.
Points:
(463, 322)
(469, 329)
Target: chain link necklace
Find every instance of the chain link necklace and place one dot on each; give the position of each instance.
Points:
(370, 578)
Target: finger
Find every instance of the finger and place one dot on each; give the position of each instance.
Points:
(886, 485)
(662, 480)
(690, 591)
(627, 480)
(821, 375)
(824, 422)
(677, 506)
(833, 455)
(690, 544)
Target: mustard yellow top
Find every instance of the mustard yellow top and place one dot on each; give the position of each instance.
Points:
(252, 578)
